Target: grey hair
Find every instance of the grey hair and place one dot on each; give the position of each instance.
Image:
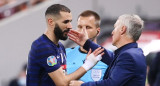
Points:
(134, 25)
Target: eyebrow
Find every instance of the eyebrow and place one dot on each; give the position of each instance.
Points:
(66, 21)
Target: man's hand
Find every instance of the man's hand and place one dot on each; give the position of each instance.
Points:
(78, 37)
(75, 83)
(93, 58)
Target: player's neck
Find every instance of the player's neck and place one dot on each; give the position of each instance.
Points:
(124, 41)
(52, 37)
(83, 50)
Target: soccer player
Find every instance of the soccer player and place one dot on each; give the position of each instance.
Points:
(47, 57)
(90, 21)
(128, 66)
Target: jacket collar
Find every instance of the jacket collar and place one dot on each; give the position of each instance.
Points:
(125, 47)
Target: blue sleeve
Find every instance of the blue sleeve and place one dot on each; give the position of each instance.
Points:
(47, 59)
(106, 58)
(120, 74)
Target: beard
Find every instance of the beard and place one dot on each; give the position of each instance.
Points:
(59, 33)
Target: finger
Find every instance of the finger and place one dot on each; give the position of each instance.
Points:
(99, 51)
(90, 50)
(96, 50)
(84, 31)
(71, 83)
(102, 54)
(72, 37)
(73, 31)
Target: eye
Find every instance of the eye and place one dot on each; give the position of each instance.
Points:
(88, 27)
(79, 27)
(66, 21)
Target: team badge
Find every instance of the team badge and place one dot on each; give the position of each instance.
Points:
(96, 74)
(51, 60)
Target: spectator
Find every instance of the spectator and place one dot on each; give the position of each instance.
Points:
(154, 72)
(21, 79)
(34, 2)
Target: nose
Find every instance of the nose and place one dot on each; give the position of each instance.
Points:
(69, 25)
(112, 33)
(81, 29)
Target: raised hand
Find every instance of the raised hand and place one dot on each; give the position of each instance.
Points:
(78, 37)
(96, 53)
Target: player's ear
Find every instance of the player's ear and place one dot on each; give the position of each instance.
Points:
(98, 31)
(50, 21)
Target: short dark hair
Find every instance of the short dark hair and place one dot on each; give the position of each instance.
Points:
(88, 13)
(55, 9)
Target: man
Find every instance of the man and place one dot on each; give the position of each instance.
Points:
(47, 58)
(21, 79)
(90, 21)
(154, 71)
(127, 67)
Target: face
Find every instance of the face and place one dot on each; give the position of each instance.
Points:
(116, 33)
(63, 25)
(89, 24)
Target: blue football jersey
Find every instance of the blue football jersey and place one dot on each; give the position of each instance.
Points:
(76, 58)
(44, 57)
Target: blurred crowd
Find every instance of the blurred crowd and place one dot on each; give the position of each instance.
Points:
(10, 7)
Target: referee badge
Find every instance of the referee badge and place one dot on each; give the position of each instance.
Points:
(51, 60)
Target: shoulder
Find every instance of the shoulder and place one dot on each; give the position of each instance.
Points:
(134, 56)
(133, 52)
(42, 44)
(41, 48)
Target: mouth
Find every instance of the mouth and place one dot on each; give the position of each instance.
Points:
(67, 31)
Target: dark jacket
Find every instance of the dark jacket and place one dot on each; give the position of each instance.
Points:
(127, 66)
(154, 72)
